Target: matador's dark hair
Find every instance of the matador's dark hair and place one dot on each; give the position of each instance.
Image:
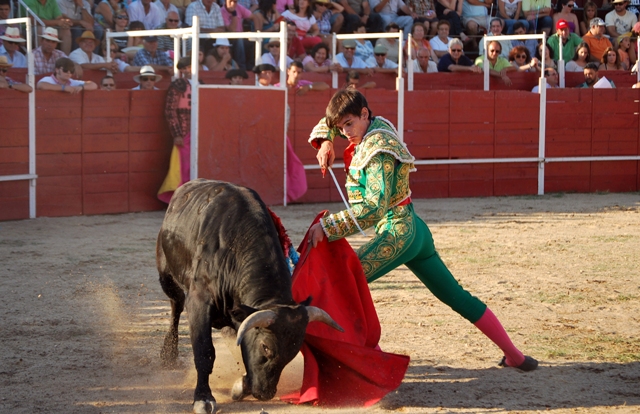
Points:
(345, 102)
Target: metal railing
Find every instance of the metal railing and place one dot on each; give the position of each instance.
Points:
(35, 18)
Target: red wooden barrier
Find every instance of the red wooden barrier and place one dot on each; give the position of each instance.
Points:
(107, 152)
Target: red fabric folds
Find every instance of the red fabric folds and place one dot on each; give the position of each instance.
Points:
(341, 369)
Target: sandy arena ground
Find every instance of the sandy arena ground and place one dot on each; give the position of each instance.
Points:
(83, 316)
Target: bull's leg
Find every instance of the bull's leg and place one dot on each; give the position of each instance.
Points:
(204, 354)
(169, 352)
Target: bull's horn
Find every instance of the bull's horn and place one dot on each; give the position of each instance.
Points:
(317, 314)
(260, 319)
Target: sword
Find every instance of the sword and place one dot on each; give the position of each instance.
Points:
(344, 200)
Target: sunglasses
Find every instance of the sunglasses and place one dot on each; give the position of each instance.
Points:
(571, 6)
(119, 16)
(11, 43)
(4, 70)
(108, 85)
(495, 51)
(274, 45)
(456, 50)
(521, 56)
(145, 79)
(348, 48)
(381, 54)
(173, 21)
(71, 71)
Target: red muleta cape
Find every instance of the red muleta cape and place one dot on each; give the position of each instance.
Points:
(341, 369)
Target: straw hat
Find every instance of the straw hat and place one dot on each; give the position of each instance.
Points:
(51, 33)
(12, 35)
(87, 35)
(147, 71)
(4, 62)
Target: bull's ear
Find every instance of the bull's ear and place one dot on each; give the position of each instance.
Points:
(307, 301)
(240, 312)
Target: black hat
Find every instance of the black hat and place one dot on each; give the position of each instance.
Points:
(236, 72)
(264, 66)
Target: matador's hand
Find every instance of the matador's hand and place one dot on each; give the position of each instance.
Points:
(326, 155)
(316, 234)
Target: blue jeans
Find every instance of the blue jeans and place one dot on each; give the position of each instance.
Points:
(535, 26)
(405, 22)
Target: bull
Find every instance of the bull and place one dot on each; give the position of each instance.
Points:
(219, 245)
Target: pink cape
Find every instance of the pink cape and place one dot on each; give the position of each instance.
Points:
(341, 369)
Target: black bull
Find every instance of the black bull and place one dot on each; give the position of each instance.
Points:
(219, 244)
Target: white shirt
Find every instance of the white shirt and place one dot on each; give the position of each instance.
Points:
(431, 68)
(390, 8)
(536, 88)
(438, 45)
(51, 80)
(152, 20)
(172, 8)
(69, 9)
(357, 62)
(79, 56)
(371, 63)
(137, 88)
(210, 20)
(623, 24)
(268, 58)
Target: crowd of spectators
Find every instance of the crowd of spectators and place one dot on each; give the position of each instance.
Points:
(444, 35)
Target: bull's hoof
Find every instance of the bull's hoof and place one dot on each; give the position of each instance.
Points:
(204, 407)
(240, 389)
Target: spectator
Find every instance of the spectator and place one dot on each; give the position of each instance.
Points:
(149, 56)
(301, 86)
(531, 44)
(120, 24)
(495, 28)
(50, 14)
(219, 58)
(510, 11)
(589, 12)
(46, 55)
(5, 13)
(474, 16)
(79, 12)
(296, 50)
(364, 48)
(610, 60)
(108, 83)
(172, 21)
(591, 76)
(543, 52)
(456, 61)
(61, 80)
(266, 16)
(360, 11)
(580, 59)
(236, 76)
(306, 28)
(423, 62)
(522, 60)
(119, 58)
(551, 77)
(146, 79)
(569, 41)
(620, 20)
(8, 83)
(265, 73)
(318, 59)
(498, 65)
(596, 40)
(538, 14)
(182, 6)
(564, 11)
(379, 62)
(209, 14)
(348, 60)
(451, 11)
(10, 45)
(135, 43)
(329, 18)
(165, 7)
(105, 13)
(426, 14)
(390, 43)
(272, 57)
(282, 5)
(626, 53)
(177, 111)
(389, 10)
(418, 41)
(233, 14)
(353, 79)
(85, 57)
(147, 12)
(440, 42)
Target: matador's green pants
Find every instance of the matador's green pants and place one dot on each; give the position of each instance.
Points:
(403, 238)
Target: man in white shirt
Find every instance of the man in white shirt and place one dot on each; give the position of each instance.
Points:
(85, 57)
(495, 29)
(620, 20)
(551, 76)
(379, 62)
(61, 80)
(388, 10)
(422, 64)
(146, 79)
(146, 12)
(348, 61)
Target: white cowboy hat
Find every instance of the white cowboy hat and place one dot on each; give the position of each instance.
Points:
(12, 35)
(50, 33)
(147, 71)
(222, 41)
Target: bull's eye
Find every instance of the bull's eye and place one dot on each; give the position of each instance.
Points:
(266, 351)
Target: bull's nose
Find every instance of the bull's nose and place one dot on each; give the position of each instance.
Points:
(265, 395)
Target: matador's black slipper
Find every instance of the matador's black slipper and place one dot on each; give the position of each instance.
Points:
(529, 363)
